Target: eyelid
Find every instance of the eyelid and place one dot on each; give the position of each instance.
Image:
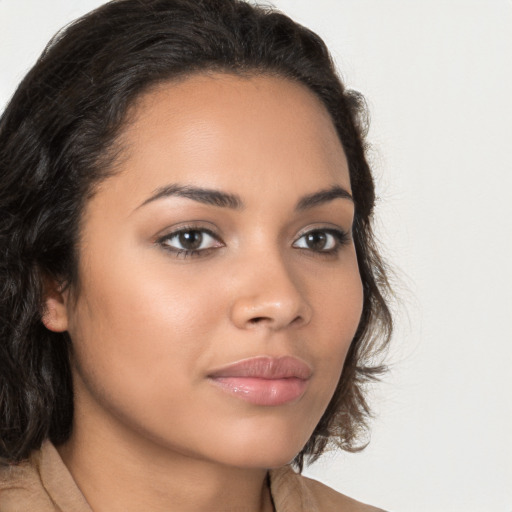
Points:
(341, 236)
(176, 234)
(330, 228)
(192, 225)
(175, 231)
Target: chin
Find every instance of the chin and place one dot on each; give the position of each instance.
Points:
(262, 448)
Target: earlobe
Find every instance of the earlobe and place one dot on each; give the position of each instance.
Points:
(55, 315)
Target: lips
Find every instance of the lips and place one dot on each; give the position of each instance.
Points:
(265, 381)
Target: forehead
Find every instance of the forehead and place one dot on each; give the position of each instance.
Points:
(232, 132)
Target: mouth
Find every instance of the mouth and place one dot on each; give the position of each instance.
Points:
(265, 381)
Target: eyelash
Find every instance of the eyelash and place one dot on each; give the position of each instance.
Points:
(187, 253)
(341, 238)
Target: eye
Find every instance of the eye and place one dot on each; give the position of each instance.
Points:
(322, 240)
(190, 241)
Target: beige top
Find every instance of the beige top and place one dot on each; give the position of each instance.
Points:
(44, 484)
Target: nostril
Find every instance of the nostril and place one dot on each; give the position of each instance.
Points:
(297, 320)
(258, 319)
(262, 319)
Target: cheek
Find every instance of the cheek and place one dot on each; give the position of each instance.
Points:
(338, 313)
(133, 316)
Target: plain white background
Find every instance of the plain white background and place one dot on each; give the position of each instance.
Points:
(438, 80)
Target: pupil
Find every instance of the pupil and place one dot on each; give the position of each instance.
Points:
(191, 240)
(316, 240)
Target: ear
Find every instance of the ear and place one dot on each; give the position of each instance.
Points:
(55, 314)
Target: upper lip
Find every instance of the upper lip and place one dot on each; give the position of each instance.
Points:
(265, 367)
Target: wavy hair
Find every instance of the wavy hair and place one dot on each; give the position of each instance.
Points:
(58, 142)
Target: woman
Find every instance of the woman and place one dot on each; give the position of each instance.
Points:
(187, 265)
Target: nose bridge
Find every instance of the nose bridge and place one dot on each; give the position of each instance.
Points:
(269, 293)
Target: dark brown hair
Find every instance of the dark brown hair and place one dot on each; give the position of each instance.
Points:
(57, 140)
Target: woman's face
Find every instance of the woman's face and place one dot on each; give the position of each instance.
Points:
(224, 236)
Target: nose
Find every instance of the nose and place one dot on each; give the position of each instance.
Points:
(269, 296)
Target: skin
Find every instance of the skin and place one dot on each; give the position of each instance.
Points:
(148, 325)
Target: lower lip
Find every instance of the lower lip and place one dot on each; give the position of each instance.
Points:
(263, 391)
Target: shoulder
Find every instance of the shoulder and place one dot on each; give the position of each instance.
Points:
(21, 487)
(333, 500)
(294, 492)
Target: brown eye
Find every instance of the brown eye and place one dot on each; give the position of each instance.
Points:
(322, 240)
(316, 240)
(190, 240)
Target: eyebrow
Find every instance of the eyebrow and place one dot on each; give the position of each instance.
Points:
(200, 194)
(226, 200)
(322, 197)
